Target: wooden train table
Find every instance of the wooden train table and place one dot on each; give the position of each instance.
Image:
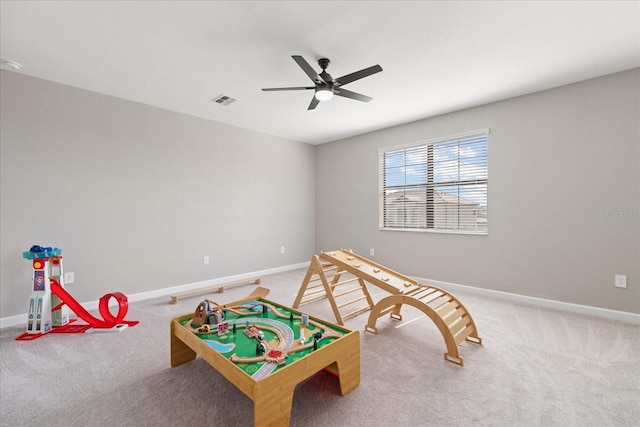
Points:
(265, 349)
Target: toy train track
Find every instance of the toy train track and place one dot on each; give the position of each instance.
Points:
(274, 351)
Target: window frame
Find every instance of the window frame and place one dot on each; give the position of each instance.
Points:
(430, 187)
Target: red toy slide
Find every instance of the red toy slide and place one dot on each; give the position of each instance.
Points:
(108, 320)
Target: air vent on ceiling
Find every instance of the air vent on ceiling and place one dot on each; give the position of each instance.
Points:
(223, 100)
(10, 65)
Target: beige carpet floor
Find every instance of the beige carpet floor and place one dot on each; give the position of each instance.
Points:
(536, 367)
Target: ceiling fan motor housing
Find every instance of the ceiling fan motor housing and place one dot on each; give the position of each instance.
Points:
(323, 63)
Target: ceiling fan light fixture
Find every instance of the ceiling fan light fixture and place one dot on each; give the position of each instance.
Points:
(324, 94)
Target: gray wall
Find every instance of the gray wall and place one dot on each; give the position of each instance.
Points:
(564, 197)
(135, 196)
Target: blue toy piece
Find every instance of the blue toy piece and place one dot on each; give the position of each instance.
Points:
(40, 252)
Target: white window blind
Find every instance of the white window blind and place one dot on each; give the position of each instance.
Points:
(438, 185)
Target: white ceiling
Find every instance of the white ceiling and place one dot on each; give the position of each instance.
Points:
(437, 56)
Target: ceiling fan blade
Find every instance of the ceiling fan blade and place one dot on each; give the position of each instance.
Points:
(288, 88)
(307, 69)
(353, 95)
(314, 103)
(357, 75)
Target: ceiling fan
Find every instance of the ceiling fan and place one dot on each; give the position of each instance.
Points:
(326, 86)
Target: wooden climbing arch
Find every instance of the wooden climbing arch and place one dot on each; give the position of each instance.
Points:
(336, 274)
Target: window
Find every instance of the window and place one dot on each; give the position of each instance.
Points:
(438, 185)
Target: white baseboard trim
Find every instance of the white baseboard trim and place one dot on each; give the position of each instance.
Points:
(622, 316)
(21, 319)
(208, 283)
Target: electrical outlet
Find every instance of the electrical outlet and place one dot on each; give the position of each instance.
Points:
(69, 278)
(205, 259)
(620, 281)
(372, 252)
(281, 249)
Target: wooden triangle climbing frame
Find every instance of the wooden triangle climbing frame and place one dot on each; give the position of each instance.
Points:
(323, 280)
(343, 290)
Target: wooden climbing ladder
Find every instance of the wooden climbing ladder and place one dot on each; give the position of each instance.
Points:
(323, 280)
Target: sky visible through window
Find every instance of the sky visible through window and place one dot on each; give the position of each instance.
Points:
(454, 162)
